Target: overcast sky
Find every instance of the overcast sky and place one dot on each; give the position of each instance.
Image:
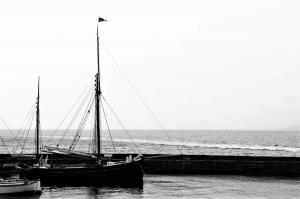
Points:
(197, 64)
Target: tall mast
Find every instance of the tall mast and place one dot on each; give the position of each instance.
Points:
(37, 135)
(98, 96)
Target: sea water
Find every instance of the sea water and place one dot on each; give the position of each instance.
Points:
(166, 186)
(247, 143)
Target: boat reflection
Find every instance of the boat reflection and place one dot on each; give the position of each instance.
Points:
(135, 184)
(20, 196)
(104, 192)
(93, 191)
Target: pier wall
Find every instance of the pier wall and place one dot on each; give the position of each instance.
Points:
(190, 164)
(223, 165)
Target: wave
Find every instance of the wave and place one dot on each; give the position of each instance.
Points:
(216, 146)
(195, 144)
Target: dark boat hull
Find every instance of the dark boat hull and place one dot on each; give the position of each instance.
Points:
(126, 173)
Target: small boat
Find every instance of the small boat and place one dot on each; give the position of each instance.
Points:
(19, 186)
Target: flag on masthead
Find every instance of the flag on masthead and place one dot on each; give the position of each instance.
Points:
(101, 19)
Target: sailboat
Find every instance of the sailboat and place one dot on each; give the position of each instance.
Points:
(10, 181)
(129, 171)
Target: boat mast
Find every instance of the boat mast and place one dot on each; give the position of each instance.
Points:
(98, 96)
(37, 135)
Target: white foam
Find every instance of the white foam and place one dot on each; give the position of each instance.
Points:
(201, 145)
(218, 146)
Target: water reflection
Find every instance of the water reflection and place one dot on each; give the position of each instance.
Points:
(93, 192)
(20, 196)
(114, 192)
(178, 187)
(87, 192)
(135, 184)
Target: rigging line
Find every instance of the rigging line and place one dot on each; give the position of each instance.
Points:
(27, 133)
(77, 137)
(87, 111)
(82, 123)
(14, 137)
(31, 113)
(70, 110)
(104, 113)
(25, 127)
(108, 128)
(79, 108)
(29, 127)
(28, 121)
(121, 123)
(3, 142)
(28, 113)
(137, 93)
(74, 117)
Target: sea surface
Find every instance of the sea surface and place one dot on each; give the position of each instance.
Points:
(247, 143)
(166, 186)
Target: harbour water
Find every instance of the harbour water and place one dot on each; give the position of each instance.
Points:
(246, 143)
(164, 186)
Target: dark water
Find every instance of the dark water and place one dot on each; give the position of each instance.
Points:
(251, 143)
(184, 187)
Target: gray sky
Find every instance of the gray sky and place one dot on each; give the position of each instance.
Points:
(197, 64)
